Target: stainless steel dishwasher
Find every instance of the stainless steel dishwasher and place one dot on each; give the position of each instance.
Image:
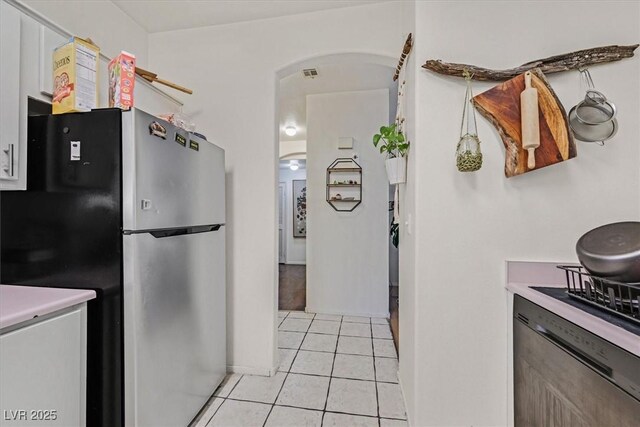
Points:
(565, 375)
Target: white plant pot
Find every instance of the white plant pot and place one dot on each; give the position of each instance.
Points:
(396, 170)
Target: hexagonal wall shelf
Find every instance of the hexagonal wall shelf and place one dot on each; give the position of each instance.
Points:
(344, 175)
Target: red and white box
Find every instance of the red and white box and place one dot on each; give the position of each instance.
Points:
(122, 78)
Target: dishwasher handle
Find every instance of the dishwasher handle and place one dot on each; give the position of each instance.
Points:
(576, 352)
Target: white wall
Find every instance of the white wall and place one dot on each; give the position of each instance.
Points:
(407, 311)
(296, 246)
(102, 21)
(234, 75)
(348, 253)
(293, 149)
(466, 225)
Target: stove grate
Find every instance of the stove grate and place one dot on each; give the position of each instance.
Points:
(622, 299)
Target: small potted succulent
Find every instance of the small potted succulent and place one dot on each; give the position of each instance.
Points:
(395, 146)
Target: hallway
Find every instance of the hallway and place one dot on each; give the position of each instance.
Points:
(334, 371)
(292, 289)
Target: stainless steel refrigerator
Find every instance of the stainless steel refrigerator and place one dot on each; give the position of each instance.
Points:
(133, 207)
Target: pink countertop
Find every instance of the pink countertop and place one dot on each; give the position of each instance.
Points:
(20, 303)
(522, 275)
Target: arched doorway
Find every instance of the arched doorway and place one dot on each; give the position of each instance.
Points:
(326, 65)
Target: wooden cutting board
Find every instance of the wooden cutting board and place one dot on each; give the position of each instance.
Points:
(501, 106)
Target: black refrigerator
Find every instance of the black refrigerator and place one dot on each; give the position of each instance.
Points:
(133, 208)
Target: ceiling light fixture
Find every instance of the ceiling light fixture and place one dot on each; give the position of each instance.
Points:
(293, 165)
(290, 130)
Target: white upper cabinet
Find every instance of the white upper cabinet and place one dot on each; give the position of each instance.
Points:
(26, 47)
(10, 150)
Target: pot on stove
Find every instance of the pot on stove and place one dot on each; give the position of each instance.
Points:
(612, 251)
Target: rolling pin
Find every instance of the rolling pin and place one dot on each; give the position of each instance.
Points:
(529, 120)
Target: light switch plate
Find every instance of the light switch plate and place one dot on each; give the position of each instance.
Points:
(345, 142)
(408, 225)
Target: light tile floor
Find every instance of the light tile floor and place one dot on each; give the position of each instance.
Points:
(336, 371)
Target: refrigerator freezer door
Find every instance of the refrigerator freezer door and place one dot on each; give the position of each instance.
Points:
(174, 318)
(170, 179)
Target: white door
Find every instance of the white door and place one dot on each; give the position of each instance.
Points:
(282, 215)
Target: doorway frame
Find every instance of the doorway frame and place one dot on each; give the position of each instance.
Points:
(282, 223)
(291, 68)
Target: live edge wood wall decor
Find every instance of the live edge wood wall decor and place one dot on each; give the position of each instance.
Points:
(501, 106)
(567, 61)
(408, 44)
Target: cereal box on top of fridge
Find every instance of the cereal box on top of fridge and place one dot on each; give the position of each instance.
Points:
(75, 76)
(122, 79)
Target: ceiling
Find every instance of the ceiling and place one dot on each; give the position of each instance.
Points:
(285, 164)
(331, 78)
(168, 15)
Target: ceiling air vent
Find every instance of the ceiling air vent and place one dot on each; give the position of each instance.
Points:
(310, 73)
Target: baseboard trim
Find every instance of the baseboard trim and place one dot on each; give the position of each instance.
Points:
(343, 313)
(252, 370)
(404, 400)
(296, 263)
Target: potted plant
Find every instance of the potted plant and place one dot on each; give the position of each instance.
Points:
(395, 146)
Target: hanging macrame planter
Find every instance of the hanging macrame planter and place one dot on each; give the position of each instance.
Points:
(468, 154)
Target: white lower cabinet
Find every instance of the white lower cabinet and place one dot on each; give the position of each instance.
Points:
(43, 370)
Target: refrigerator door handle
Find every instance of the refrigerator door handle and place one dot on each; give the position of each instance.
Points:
(170, 232)
(159, 234)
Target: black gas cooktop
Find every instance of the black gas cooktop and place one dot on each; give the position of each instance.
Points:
(561, 295)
